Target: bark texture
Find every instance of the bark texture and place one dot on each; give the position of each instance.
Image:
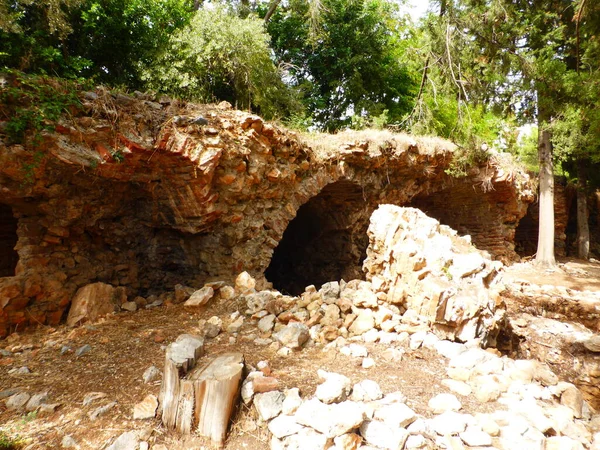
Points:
(545, 249)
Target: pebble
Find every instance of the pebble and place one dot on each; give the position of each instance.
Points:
(129, 306)
(19, 371)
(450, 423)
(292, 401)
(100, 411)
(395, 415)
(151, 374)
(91, 397)
(368, 363)
(458, 387)
(8, 393)
(69, 442)
(83, 350)
(331, 420)
(383, 436)
(146, 409)
(65, 349)
(126, 441)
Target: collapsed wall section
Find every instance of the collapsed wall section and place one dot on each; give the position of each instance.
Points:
(416, 263)
(483, 207)
(144, 196)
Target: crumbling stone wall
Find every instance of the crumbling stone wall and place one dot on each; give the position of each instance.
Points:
(134, 193)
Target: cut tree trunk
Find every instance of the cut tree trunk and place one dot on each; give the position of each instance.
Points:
(180, 358)
(199, 399)
(545, 248)
(217, 388)
(583, 228)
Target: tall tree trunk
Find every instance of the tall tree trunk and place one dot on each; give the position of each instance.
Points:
(583, 228)
(545, 248)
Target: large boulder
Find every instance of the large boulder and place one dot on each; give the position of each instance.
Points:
(94, 301)
(426, 267)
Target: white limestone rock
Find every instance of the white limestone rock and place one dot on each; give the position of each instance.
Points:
(269, 404)
(335, 389)
(331, 420)
(292, 401)
(458, 387)
(366, 391)
(201, 297)
(444, 402)
(293, 335)
(282, 426)
(395, 415)
(364, 322)
(475, 437)
(244, 283)
(382, 435)
(450, 423)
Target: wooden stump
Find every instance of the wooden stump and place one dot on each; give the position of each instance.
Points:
(199, 398)
(217, 388)
(180, 357)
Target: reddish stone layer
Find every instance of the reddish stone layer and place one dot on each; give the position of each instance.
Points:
(135, 196)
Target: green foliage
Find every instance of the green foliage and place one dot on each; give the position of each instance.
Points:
(526, 150)
(220, 56)
(8, 442)
(32, 104)
(29, 417)
(347, 66)
(110, 40)
(122, 37)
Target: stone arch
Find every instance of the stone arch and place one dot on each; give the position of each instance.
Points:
(326, 241)
(8, 240)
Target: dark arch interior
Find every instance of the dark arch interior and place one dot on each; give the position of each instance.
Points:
(326, 241)
(8, 239)
(526, 234)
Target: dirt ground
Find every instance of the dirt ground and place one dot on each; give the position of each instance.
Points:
(571, 273)
(124, 345)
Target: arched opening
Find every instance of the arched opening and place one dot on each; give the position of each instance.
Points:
(326, 241)
(526, 234)
(8, 240)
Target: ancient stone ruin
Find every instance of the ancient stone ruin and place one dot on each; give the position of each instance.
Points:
(134, 194)
(363, 247)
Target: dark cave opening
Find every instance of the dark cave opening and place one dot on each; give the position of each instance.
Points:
(326, 241)
(8, 240)
(526, 234)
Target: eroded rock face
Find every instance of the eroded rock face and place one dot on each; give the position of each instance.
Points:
(128, 196)
(426, 267)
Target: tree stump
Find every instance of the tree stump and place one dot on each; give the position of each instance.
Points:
(216, 388)
(180, 357)
(200, 398)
